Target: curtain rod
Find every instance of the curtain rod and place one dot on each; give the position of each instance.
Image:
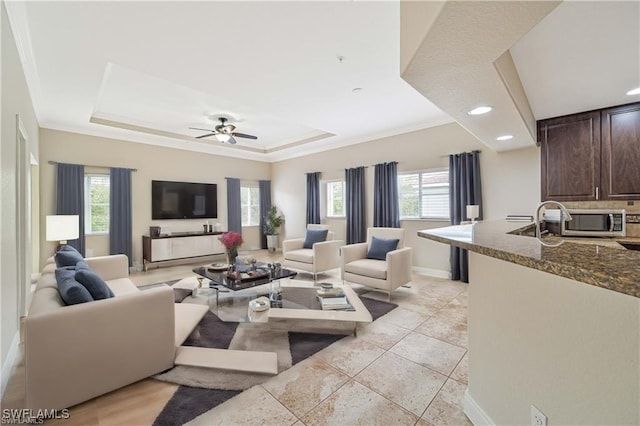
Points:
(447, 156)
(88, 165)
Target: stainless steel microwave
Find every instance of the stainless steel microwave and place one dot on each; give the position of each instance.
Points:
(591, 222)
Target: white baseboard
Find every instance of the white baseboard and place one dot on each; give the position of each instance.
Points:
(474, 412)
(9, 362)
(430, 272)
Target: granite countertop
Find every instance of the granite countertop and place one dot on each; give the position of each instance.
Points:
(601, 262)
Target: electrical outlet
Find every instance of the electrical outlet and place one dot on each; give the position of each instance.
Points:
(537, 418)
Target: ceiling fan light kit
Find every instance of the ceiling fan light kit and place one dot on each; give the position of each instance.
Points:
(224, 132)
(223, 137)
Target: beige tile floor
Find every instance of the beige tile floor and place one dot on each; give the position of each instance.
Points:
(408, 367)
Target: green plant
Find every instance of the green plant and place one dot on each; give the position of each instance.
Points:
(273, 221)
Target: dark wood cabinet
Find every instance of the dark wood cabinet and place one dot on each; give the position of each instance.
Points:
(592, 155)
(570, 158)
(620, 169)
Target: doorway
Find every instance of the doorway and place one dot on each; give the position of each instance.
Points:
(24, 158)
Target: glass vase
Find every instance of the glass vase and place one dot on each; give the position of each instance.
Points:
(232, 253)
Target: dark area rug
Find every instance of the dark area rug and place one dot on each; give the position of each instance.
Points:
(187, 402)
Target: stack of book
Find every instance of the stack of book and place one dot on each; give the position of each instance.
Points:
(333, 303)
(518, 217)
(330, 292)
(333, 298)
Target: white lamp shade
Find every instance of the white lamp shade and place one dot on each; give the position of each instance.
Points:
(223, 137)
(63, 227)
(473, 211)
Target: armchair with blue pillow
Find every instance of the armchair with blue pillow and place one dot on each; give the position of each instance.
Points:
(317, 252)
(382, 263)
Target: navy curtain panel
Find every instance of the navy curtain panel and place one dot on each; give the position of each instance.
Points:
(355, 205)
(234, 208)
(386, 210)
(313, 197)
(70, 197)
(120, 234)
(465, 188)
(264, 186)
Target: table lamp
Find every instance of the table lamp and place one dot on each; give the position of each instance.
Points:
(62, 228)
(473, 211)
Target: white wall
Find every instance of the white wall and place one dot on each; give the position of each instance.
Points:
(569, 348)
(15, 101)
(153, 163)
(511, 181)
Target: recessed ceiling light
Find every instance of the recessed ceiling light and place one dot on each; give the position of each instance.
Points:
(635, 91)
(480, 110)
(357, 89)
(504, 137)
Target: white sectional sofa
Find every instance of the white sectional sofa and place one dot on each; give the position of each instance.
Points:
(77, 352)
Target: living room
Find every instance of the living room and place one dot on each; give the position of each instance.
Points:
(510, 178)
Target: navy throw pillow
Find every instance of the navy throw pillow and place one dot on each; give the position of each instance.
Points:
(71, 291)
(380, 247)
(314, 236)
(96, 286)
(67, 256)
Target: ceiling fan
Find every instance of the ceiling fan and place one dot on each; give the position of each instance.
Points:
(224, 132)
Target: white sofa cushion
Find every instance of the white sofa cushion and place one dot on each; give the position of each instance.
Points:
(49, 268)
(47, 280)
(120, 286)
(301, 255)
(368, 267)
(188, 315)
(46, 300)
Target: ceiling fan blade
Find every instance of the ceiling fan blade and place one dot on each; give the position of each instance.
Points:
(204, 130)
(242, 135)
(205, 136)
(232, 141)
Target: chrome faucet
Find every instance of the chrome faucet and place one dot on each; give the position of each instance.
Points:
(564, 214)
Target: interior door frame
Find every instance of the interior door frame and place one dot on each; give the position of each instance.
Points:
(23, 214)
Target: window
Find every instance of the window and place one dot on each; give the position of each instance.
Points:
(424, 195)
(96, 204)
(335, 199)
(250, 203)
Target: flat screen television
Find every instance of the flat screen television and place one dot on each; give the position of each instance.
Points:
(183, 200)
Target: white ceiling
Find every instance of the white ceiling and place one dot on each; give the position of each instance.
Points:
(161, 67)
(582, 56)
(147, 71)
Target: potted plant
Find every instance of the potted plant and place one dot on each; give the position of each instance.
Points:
(272, 222)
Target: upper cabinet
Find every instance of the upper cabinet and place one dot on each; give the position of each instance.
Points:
(620, 170)
(592, 155)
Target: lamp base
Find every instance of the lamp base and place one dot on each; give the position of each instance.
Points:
(61, 243)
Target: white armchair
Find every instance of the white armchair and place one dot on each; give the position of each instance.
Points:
(323, 256)
(383, 275)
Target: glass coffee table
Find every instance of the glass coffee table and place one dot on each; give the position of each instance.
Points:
(218, 277)
(298, 309)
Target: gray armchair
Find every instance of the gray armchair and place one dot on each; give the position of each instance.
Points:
(323, 256)
(382, 275)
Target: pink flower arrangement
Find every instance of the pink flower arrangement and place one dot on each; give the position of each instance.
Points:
(231, 240)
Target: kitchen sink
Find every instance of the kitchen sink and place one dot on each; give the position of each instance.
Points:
(631, 246)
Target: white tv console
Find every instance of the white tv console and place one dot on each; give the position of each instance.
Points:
(180, 246)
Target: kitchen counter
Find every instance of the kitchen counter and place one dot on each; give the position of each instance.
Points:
(598, 262)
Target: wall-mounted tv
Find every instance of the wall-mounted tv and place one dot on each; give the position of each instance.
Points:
(183, 200)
